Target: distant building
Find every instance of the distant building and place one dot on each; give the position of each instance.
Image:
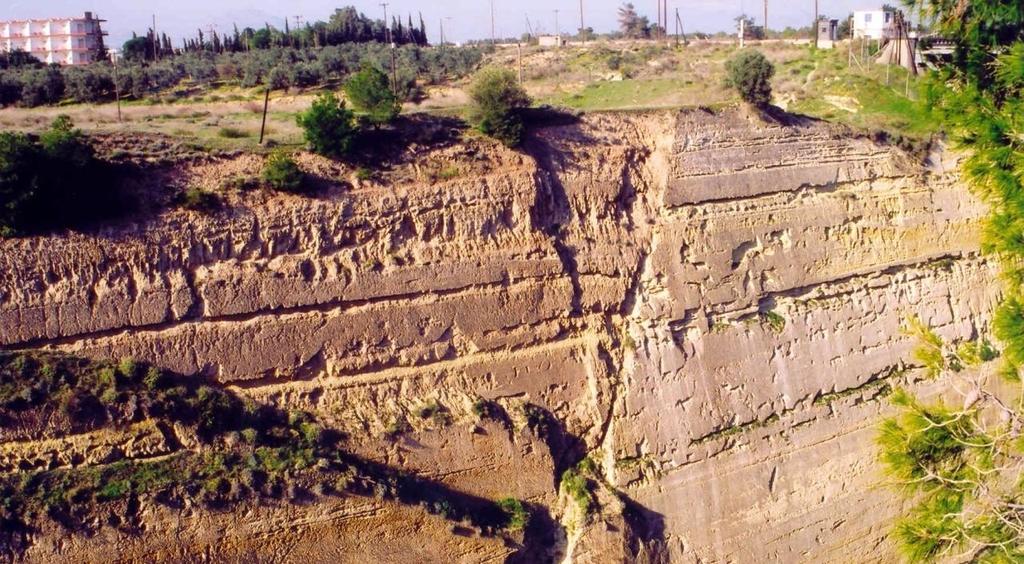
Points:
(872, 24)
(66, 41)
(827, 31)
(551, 41)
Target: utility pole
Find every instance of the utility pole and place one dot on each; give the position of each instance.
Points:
(266, 106)
(558, 34)
(441, 22)
(583, 37)
(766, 19)
(679, 28)
(519, 51)
(210, 30)
(387, 27)
(664, 29)
(659, 18)
(743, 30)
(298, 25)
(814, 28)
(156, 50)
(117, 85)
(494, 40)
(849, 45)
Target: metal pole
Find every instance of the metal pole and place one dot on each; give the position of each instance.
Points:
(558, 34)
(494, 40)
(156, 51)
(766, 19)
(266, 105)
(743, 30)
(387, 28)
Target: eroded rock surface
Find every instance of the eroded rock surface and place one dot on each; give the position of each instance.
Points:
(708, 304)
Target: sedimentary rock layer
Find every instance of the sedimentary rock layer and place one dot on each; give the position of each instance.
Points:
(710, 303)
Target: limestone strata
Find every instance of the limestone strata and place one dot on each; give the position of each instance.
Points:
(709, 303)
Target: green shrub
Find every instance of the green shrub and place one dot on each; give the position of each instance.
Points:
(516, 515)
(750, 72)
(498, 100)
(199, 200)
(371, 95)
(35, 194)
(576, 485)
(233, 133)
(281, 173)
(328, 126)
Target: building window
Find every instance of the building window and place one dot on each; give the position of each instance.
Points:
(867, 18)
(887, 16)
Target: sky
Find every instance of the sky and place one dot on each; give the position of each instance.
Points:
(469, 19)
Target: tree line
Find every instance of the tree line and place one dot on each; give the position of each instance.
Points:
(26, 81)
(346, 25)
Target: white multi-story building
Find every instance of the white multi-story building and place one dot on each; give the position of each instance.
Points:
(67, 41)
(872, 24)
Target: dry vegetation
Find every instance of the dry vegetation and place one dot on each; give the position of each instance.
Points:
(601, 76)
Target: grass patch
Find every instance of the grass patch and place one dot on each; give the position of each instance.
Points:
(233, 133)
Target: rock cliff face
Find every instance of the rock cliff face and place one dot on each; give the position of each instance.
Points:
(708, 305)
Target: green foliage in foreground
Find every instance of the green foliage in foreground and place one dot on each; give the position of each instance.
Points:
(498, 101)
(964, 466)
(328, 126)
(961, 469)
(53, 182)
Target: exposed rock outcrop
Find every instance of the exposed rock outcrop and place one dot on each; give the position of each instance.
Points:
(708, 305)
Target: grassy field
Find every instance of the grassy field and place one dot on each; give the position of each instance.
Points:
(599, 77)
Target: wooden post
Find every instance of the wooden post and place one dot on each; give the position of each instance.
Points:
(117, 88)
(266, 105)
(519, 50)
(814, 28)
(394, 71)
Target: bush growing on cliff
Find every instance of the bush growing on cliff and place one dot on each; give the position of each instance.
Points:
(370, 94)
(328, 126)
(750, 73)
(498, 100)
(199, 200)
(52, 182)
(281, 173)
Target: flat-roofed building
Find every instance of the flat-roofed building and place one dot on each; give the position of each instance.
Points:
(66, 41)
(872, 24)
